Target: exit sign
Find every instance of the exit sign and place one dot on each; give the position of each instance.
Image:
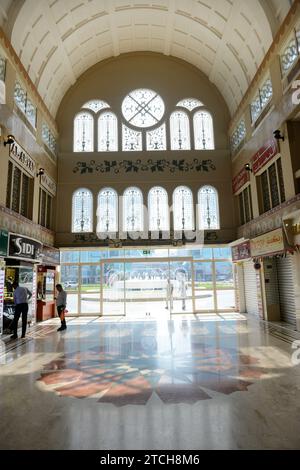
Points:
(146, 252)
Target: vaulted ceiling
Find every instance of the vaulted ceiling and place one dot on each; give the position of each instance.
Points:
(58, 40)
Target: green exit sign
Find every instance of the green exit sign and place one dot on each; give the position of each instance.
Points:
(146, 252)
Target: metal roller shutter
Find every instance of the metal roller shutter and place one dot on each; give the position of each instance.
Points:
(250, 288)
(286, 290)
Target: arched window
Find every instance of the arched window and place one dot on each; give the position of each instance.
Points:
(183, 210)
(180, 131)
(189, 103)
(158, 208)
(156, 139)
(131, 139)
(82, 211)
(133, 210)
(107, 211)
(96, 105)
(203, 131)
(208, 207)
(83, 132)
(107, 132)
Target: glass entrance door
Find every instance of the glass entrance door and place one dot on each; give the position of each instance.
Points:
(113, 287)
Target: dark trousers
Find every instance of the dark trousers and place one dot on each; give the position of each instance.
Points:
(20, 309)
(60, 309)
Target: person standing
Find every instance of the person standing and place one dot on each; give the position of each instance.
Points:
(61, 303)
(21, 297)
(183, 292)
(169, 294)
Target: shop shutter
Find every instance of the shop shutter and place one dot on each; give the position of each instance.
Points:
(251, 299)
(286, 290)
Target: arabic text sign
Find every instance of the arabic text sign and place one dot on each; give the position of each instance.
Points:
(264, 155)
(267, 244)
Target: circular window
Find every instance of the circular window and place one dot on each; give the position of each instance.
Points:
(143, 108)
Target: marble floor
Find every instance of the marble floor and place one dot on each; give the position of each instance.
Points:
(223, 381)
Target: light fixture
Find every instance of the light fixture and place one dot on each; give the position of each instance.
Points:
(277, 135)
(41, 172)
(247, 167)
(9, 140)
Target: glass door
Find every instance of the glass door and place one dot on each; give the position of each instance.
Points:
(113, 287)
(182, 285)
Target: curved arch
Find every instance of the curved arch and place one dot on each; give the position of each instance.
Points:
(107, 132)
(203, 130)
(107, 210)
(158, 209)
(133, 210)
(190, 103)
(82, 211)
(96, 105)
(208, 208)
(83, 136)
(183, 208)
(180, 131)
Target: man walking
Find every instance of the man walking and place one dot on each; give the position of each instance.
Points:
(21, 297)
(61, 303)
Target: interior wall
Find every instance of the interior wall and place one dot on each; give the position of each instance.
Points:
(111, 81)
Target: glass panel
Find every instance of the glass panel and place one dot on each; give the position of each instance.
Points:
(143, 108)
(149, 253)
(90, 289)
(82, 211)
(238, 136)
(224, 274)
(273, 186)
(113, 288)
(146, 289)
(133, 210)
(156, 139)
(70, 256)
(203, 278)
(84, 133)
(289, 55)
(49, 211)
(25, 195)
(181, 281)
(222, 253)
(90, 303)
(70, 277)
(72, 303)
(189, 103)
(107, 133)
(43, 207)
(15, 204)
(255, 108)
(92, 256)
(158, 208)
(96, 105)
(107, 211)
(131, 140)
(180, 131)
(265, 191)
(281, 181)
(247, 206)
(31, 112)
(9, 183)
(226, 299)
(241, 207)
(50, 285)
(208, 208)
(183, 209)
(2, 68)
(20, 97)
(203, 131)
(266, 92)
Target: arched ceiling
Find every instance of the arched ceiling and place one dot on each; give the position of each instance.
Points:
(58, 40)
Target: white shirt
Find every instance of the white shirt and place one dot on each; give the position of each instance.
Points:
(21, 295)
(61, 298)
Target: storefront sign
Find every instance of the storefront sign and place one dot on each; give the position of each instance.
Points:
(268, 244)
(2, 277)
(3, 242)
(49, 184)
(24, 248)
(240, 180)
(241, 251)
(17, 153)
(15, 223)
(264, 155)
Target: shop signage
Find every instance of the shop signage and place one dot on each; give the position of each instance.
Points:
(264, 155)
(240, 180)
(17, 153)
(2, 277)
(24, 248)
(3, 242)
(268, 244)
(49, 184)
(241, 251)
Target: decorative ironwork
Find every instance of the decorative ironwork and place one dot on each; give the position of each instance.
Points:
(107, 132)
(48, 138)
(260, 101)
(153, 166)
(82, 211)
(25, 104)
(208, 208)
(189, 103)
(131, 140)
(107, 211)
(2, 68)
(158, 209)
(156, 139)
(183, 208)
(290, 54)
(143, 108)
(238, 136)
(96, 105)
(133, 210)
(180, 131)
(83, 133)
(203, 131)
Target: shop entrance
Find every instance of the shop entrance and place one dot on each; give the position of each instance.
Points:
(153, 287)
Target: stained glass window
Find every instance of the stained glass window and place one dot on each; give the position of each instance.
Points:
(107, 211)
(82, 211)
(133, 210)
(83, 133)
(158, 208)
(143, 108)
(131, 140)
(203, 131)
(208, 208)
(262, 98)
(238, 136)
(2, 68)
(48, 138)
(183, 210)
(289, 55)
(96, 105)
(180, 131)
(189, 103)
(24, 103)
(107, 132)
(156, 139)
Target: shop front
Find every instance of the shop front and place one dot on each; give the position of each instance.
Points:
(20, 265)
(3, 254)
(46, 280)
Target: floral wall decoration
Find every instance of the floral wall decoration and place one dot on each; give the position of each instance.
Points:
(153, 166)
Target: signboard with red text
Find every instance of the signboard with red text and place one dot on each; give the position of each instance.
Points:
(264, 155)
(240, 180)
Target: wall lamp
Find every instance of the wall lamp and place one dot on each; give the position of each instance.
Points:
(9, 140)
(41, 172)
(278, 136)
(247, 167)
